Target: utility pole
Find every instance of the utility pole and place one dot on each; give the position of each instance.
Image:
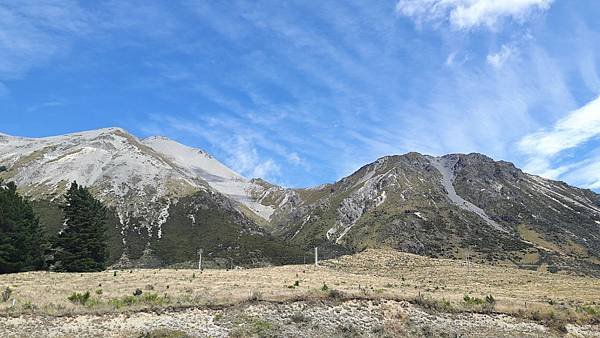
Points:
(200, 259)
(316, 256)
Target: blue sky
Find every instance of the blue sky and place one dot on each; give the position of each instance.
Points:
(305, 92)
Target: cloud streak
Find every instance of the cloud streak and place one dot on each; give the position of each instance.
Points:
(497, 59)
(571, 133)
(576, 128)
(303, 93)
(468, 14)
(33, 32)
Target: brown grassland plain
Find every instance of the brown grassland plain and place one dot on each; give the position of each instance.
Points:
(435, 284)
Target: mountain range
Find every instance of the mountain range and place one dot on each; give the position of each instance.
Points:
(168, 200)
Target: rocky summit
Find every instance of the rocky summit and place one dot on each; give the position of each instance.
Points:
(168, 200)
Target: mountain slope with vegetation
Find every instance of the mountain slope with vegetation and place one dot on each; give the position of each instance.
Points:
(156, 199)
(455, 206)
(165, 201)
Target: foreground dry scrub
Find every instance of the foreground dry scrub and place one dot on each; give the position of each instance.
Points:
(434, 284)
(353, 318)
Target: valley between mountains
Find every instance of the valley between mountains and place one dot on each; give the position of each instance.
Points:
(168, 200)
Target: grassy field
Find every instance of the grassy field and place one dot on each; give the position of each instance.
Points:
(435, 284)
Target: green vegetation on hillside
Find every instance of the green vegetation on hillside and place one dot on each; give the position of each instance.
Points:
(81, 245)
(21, 242)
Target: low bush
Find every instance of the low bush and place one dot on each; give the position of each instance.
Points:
(79, 298)
(253, 327)
(442, 305)
(484, 305)
(590, 310)
(6, 294)
(299, 317)
(336, 294)
(473, 301)
(145, 299)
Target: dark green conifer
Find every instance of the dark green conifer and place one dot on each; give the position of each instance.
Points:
(21, 239)
(81, 245)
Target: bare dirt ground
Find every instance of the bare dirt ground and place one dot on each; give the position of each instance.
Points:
(375, 293)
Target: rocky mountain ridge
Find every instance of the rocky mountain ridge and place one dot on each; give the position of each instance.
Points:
(457, 206)
(146, 183)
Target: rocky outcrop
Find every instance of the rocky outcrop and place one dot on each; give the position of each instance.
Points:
(453, 206)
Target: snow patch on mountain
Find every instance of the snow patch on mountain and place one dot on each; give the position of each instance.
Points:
(118, 168)
(197, 163)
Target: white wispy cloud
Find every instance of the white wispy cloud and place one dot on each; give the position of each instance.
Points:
(356, 110)
(578, 127)
(32, 32)
(467, 14)
(240, 147)
(499, 58)
(43, 105)
(318, 88)
(586, 174)
(244, 158)
(571, 133)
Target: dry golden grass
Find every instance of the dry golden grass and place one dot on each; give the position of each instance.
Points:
(371, 274)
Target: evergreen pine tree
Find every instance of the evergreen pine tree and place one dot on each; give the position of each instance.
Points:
(21, 239)
(81, 245)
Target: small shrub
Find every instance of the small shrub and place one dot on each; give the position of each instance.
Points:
(324, 287)
(153, 299)
(335, 294)
(79, 298)
(99, 291)
(442, 305)
(590, 310)
(29, 306)
(299, 317)
(6, 294)
(297, 283)
(471, 301)
(137, 292)
(485, 305)
(253, 327)
(129, 300)
(217, 317)
(92, 302)
(118, 303)
(260, 328)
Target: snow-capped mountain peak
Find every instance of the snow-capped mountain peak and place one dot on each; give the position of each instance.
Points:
(198, 163)
(134, 175)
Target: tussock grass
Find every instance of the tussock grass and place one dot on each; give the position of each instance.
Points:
(433, 284)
